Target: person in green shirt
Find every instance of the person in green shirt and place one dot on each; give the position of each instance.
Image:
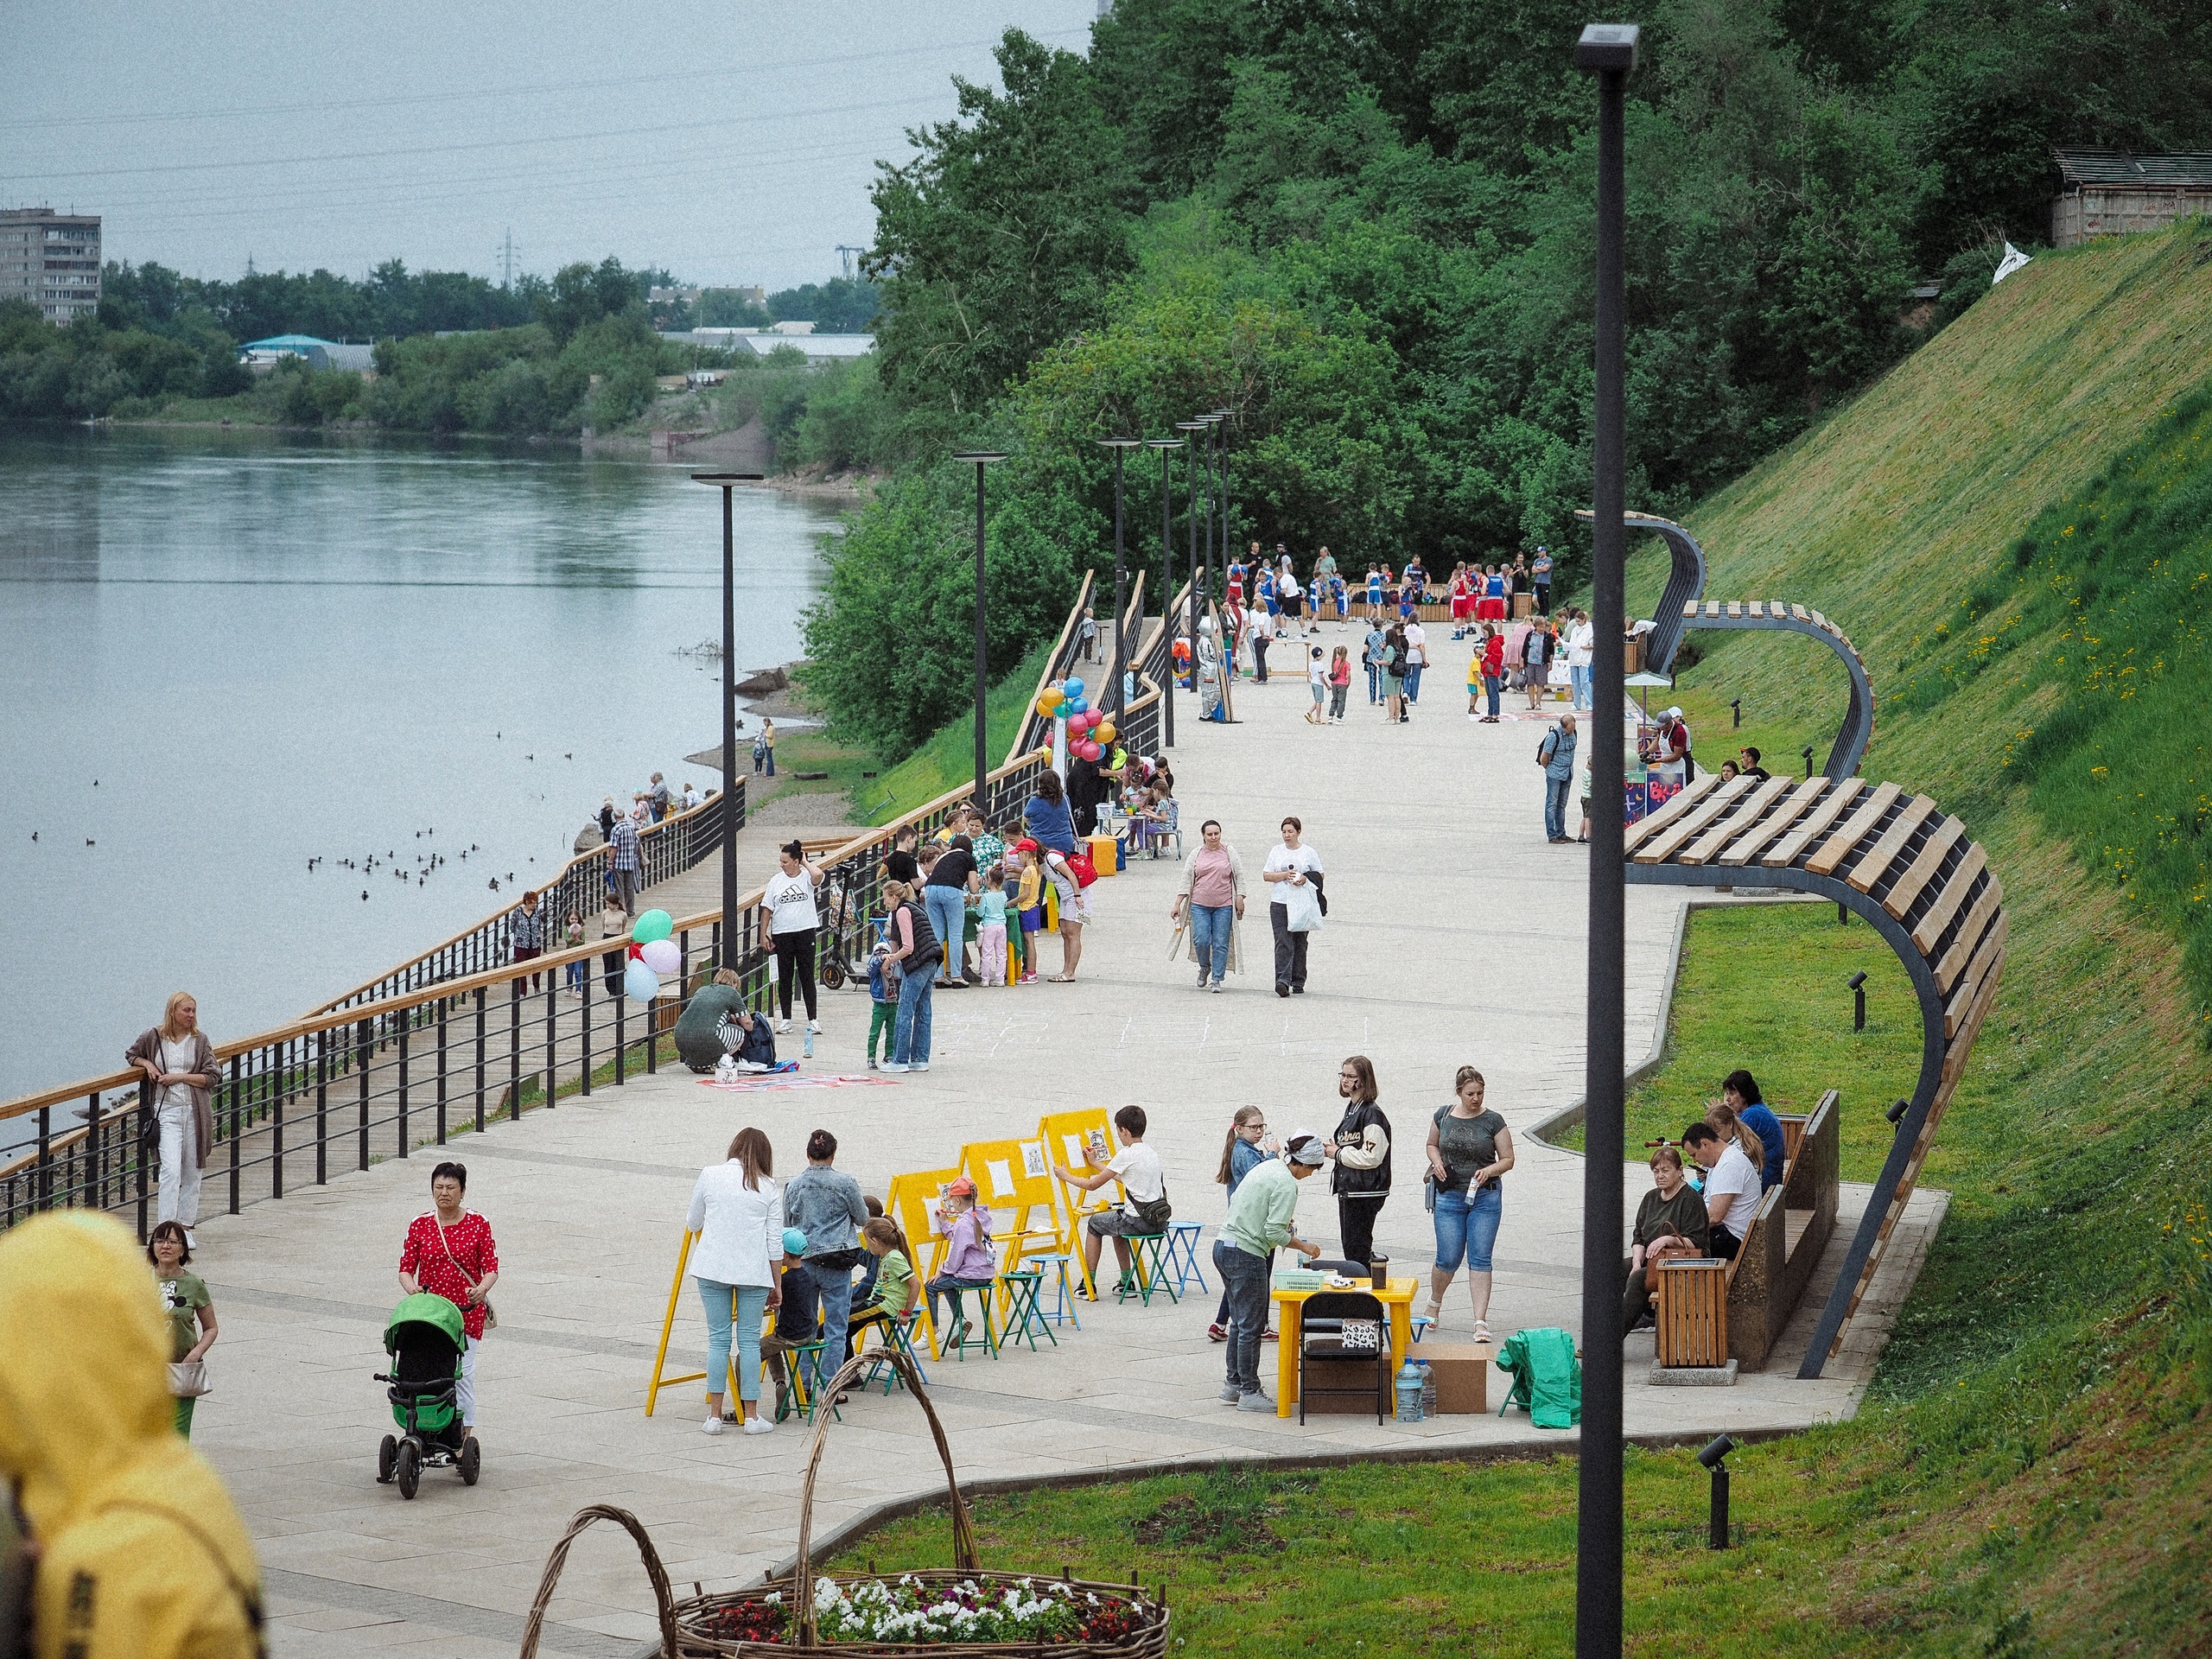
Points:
(897, 1293)
(1671, 1221)
(185, 1300)
(1261, 1220)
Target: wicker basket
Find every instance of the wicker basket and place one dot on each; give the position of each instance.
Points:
(686, 1626)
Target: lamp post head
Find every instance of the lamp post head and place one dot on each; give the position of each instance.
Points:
(724, 480)
(1607, 48)
(981, 457)
(1119, 443)
(1164, 443)
(1189, 426)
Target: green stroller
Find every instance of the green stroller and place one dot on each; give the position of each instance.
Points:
(425, 1340)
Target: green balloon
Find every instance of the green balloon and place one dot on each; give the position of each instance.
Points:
(653, 924)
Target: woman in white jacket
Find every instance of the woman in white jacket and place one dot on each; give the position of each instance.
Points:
(737, 1210)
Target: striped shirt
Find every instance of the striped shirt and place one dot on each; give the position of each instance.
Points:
(625, 844)
(526, 928)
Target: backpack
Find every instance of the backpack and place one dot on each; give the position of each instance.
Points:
(1546, 749)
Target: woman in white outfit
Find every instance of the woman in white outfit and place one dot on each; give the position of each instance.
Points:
(178, 1062)
(737, 1210)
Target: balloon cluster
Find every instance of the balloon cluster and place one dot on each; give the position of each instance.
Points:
(1089, 731)
(653, 954)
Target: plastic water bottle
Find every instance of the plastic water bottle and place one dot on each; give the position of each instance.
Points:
(806, 1044)
(1409, 1393)
(1427, 1388)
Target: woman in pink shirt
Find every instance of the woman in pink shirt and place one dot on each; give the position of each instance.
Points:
(1213, 892)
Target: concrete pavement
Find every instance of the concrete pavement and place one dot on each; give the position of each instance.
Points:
(1455, 936)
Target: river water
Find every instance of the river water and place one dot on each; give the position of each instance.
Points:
(223, 655)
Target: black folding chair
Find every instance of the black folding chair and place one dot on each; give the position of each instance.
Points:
(1332, 1310)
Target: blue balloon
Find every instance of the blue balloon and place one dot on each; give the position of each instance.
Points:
(640, 983)
(1074, 706)
(1073, 688)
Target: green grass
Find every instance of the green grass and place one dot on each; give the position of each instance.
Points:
(948, 759)
(2031, 1473)
(1762, 987)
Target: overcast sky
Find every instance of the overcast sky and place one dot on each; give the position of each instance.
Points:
(731, 144)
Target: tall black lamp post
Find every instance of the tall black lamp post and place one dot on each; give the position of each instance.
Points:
(982, 458)
(1221, 417)
(1119, 447)
(1215, 461)
(1164, 446)
(1190, 525)
(726, 482)
(1609, 52)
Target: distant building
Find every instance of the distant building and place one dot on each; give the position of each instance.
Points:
(689, 295)
(762, 341)
(52, 260)
(262, 355)
(793, 327)
(2114, 192)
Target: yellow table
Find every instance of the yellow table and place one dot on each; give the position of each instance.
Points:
(1398, 1300)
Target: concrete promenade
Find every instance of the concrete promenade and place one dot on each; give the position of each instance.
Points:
(1455, 937)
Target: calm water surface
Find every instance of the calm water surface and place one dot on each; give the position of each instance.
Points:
(222, 656)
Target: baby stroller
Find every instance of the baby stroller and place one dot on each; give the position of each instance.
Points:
(425, 1340)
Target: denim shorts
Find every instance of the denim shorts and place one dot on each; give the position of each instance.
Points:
(1466, 1227)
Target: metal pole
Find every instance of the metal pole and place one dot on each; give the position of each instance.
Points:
(727, 482)
(1121, 591)
(1162, 447)
(983, 459)
(1221, 417)
(1608, 51)
(1190, 527)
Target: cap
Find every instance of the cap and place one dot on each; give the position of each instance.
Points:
(962, 1187)
(1674, 714)
(1305, 1148)
(1026, 845)
(794, 1242)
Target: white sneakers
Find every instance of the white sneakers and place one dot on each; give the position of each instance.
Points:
(758, 1423)
(712, 1426)
(782, 1027)
(814, 1025)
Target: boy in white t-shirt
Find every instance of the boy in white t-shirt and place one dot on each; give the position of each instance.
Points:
(1317, 680)
(1144, 1208)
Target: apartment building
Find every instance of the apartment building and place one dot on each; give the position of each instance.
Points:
(51, 260)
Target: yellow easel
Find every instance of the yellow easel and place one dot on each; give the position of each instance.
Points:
(1064, 1135)
(1023, 1208)
(668, 1324)
(911, 1202)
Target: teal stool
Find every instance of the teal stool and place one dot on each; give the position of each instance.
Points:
(799, 1398)
(1023, 1318)
(1149, 1268)
(1064, 1297)
(1183, 1255)
(900, 1335)
(990, 1342)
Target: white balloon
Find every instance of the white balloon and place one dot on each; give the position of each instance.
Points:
(664, 956)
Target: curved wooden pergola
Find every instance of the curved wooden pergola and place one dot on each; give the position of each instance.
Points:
(1909, 869)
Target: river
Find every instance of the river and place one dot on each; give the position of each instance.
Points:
(223, 655)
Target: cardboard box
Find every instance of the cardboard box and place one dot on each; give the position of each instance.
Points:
(1345, 1374)
(1462, 1373)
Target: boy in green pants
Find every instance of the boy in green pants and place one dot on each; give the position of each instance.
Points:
(883, 1009)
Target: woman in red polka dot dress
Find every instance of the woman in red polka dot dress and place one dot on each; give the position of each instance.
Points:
(449, 1253)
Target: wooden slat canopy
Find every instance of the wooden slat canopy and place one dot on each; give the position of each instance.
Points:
(1912, 871)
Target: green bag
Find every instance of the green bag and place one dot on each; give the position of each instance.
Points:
(1547, 1376)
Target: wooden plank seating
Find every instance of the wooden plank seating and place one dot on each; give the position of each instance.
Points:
(1759, 1291)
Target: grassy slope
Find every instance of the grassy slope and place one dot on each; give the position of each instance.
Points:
(2033, 1473)
(948, 759)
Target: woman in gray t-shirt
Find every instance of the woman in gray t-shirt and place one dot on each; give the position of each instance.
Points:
(1470, 1150)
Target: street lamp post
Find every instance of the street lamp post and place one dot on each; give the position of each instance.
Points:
(1215, 459)
(1164, 445)
(1190, 525)
(1119, 446)
(732, 938)
(982, 458)
(1609, 52)
(1222, 416)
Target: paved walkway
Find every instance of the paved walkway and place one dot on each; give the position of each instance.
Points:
(1455, 937)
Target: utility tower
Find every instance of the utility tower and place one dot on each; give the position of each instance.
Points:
(507, 259)
(845, 254)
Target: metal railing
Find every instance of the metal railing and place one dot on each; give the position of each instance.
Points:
(664, 850)
(385, 1074)
(1035, 731)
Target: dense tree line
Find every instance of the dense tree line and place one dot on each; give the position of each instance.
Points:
(1365, 229)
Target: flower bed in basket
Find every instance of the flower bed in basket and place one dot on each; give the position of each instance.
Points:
(963, 1611)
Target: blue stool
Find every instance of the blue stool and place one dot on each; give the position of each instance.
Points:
(1063, 1309)
(900, 1335)
(1183, 1255)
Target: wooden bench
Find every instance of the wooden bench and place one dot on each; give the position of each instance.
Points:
(1710, 1312)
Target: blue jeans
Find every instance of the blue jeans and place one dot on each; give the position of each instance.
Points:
(1466, 1227)
(1413, 681)
(771, 759)
(947, 908)
(1490, 685)
(910, 1038)
(1244, 1280)
(1555, 806)
(1374, 683)
(835, 1290)
(752, 1303)
(1209, 925)
(1582, 678)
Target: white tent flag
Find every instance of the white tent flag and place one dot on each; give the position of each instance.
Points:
(2012, 261)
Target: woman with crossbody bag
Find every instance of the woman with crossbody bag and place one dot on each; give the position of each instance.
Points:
(449, 1252)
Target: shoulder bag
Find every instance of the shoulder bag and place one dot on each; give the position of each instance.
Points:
(490, 1318)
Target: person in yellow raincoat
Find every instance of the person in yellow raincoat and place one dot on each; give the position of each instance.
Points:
(139, 1553)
